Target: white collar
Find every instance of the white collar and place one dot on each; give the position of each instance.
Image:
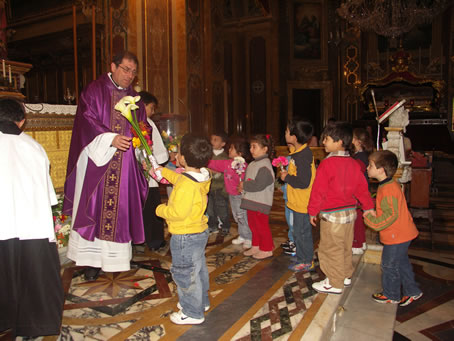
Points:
(113, 82)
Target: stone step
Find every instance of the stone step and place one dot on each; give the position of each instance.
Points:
(354, 313)
(360, 317)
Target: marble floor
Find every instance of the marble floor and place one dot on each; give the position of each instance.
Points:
(432, 317)
(250, 299)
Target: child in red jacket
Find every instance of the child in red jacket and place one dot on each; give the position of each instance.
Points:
(339, 184)
(397, 230)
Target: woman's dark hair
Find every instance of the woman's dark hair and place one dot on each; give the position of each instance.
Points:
(242, 147)
(363, 136)
(265, 140)
(302, 129)
(148, 98)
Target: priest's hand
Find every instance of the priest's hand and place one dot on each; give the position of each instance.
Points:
(122, 142)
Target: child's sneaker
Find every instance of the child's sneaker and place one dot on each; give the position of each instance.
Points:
(238, 241)
(292, 254)
(364, 246)
(357, 250)
(180, 318)
(285, 244)
(301, 267)
(347, 282)
(325, 288)
(406, 300)
(290, 249)
(247, 244)
(380, 298)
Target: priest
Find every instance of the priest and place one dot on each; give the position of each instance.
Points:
(105, 189)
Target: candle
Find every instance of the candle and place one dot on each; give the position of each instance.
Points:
(441, 61)
(4, 71)
(419, 60)
(9, 73)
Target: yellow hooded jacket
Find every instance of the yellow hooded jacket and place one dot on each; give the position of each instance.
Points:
(185, 210)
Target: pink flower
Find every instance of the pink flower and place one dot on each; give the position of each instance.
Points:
(57, 227)
(280, 161)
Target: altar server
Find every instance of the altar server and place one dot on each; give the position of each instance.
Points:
(31, 292)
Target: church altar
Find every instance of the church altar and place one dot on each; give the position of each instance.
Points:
(51, 125)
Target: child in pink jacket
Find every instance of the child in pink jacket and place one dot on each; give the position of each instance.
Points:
(234, 171)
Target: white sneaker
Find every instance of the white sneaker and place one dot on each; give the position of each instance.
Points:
(364, 246)
(247, 244)
(325, 287)
(180, 307)
(347, 282)
(357, 250)
(180, 318)
(239, 240)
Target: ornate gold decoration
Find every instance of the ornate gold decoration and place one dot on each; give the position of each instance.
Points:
(45, 122)
(400, 74)
(351, 66)
(389, 18)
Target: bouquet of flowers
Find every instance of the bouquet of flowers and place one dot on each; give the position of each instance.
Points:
(140, 152)
(280, 161)
(171, 142)
(239, 165)
(125, 105)
(62, 224)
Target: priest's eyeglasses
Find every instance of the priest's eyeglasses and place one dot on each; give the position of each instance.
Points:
(127, 70)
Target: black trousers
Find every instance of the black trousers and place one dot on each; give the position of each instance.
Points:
(153, 225)
(31, 291)
(218, 206)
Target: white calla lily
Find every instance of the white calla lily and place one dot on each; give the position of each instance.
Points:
(126, 104)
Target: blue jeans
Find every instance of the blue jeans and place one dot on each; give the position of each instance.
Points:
(190, 273)
(397, 271)
(240, 217)
(289, 218)
(288, 213)
(302, 233)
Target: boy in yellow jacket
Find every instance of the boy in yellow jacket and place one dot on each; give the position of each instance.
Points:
(186, 220)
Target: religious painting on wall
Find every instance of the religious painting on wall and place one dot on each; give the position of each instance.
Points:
(308, 26)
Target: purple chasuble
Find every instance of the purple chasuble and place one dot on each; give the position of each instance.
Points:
(112, 197)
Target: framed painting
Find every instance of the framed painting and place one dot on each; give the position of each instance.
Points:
(308, 31)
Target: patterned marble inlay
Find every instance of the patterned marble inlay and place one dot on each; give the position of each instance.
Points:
(88, 332)
(148, 333)
(282, 313)
(117, 293)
